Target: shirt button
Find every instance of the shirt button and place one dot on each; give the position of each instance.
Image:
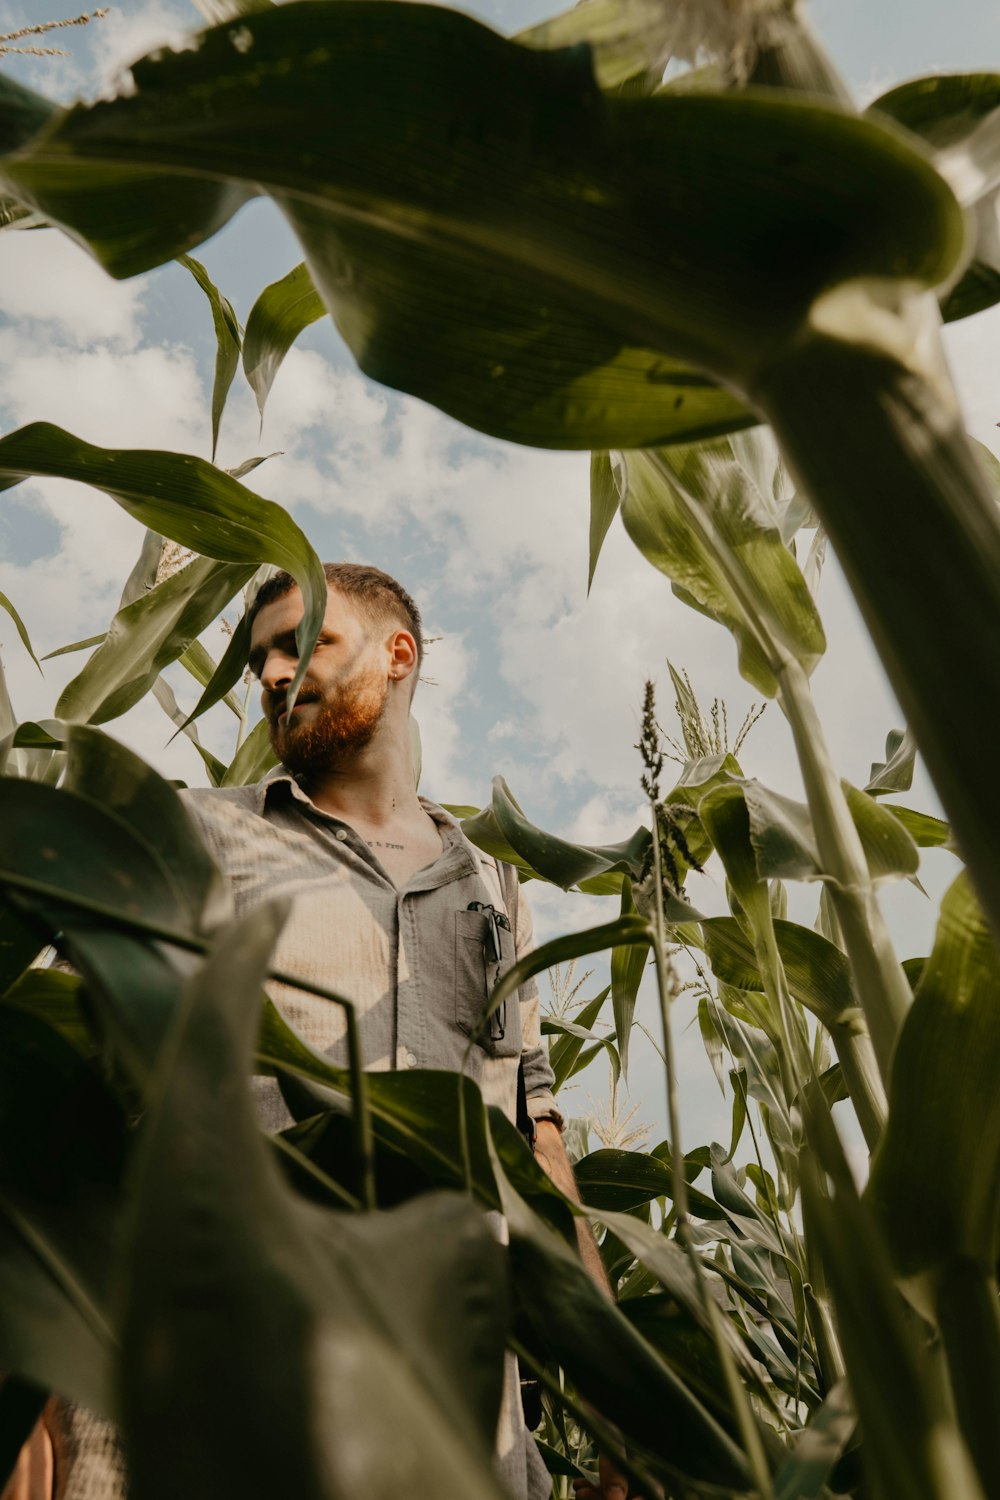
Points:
(341, 834)
(411, 1060)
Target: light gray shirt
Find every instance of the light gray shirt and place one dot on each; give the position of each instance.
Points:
(412, 960)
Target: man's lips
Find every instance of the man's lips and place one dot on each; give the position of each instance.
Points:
(299, 703)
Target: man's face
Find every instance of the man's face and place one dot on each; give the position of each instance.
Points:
(342, 697)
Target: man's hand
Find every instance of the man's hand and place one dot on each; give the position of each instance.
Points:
(614, 1485)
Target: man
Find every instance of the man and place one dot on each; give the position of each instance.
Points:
(391, 903)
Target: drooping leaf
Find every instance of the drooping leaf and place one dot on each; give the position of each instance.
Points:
(63, 1142)
(818, 973)
(20, 628)
(895, 773)
(186, 499)
(146, 636)
(276, 319)
(626, 930)
(342, 1369)
(227, 341)
(946, 109)
(564, 1053)
(605, 500)
(54, 996)
(695, 513)
(503, 831)
(249, 464)
(203, 668)
(620, 1180)
(596, 362)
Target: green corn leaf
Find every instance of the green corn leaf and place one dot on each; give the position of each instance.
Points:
(926, 831)
(628, 964)
(202, 668)
(20, 628)
(565, 1051)
(276, 319)
(605, 500)
(249, 464)
(806, 1471)
(595, 363)
(227, 341)
(146, 636)
(627, 930)
(817, 971)
(164, 695)
(92, 640)
(53, 996)
(607, 1361)
(621, 1180)
(943, 1103)
(59, 1195)
(19, 945)
(946, 109)
(186, 499)
(696, 514)
(503, 831)
(895, 773)
(253, 759)
(342, 1369)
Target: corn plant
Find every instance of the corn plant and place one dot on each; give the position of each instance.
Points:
(552, 244)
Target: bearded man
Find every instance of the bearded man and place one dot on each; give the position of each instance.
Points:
(390, 901)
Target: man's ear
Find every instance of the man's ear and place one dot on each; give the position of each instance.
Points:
(403, 655)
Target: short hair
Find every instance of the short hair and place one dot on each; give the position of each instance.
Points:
(378, 597)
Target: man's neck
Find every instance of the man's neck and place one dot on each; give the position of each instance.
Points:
(374, 788)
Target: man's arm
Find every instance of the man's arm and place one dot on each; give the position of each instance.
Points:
(551, 1155)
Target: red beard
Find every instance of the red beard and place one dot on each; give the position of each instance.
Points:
(336, 730)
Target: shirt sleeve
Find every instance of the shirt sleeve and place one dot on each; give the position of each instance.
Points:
(539, 1079)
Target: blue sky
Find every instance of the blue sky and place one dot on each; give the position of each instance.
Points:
(530, 679)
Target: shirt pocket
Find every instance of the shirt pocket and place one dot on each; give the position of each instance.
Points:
(500, 1036)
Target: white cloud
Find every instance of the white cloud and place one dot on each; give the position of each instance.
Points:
(139, 398)
(44, 276)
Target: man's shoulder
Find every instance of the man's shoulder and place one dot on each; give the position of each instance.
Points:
(215, 806)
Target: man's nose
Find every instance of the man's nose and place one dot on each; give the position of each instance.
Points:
(277, 671)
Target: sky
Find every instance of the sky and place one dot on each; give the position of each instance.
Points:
(527, 677)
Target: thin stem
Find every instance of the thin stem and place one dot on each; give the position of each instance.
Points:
(752, 1444)
(883, 988)
(143, 927)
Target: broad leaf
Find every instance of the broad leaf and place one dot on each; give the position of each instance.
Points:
(342, 1370)
(147, 636)
(253, 759)
(607, 1361)
(276, 319)
(696, 514)
(620, 1180)
(62, 1147)
(542, 312)
(186, 499)
(946, 109)
(503, 831)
